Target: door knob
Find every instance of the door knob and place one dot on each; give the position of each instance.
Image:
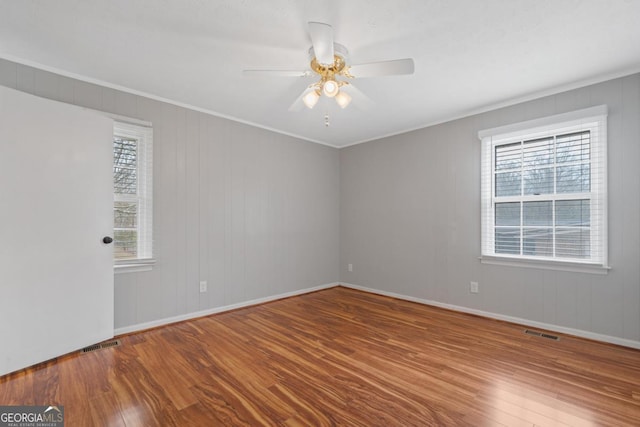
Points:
(106, 240)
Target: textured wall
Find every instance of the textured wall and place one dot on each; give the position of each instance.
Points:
(252, 212)
(410, 220)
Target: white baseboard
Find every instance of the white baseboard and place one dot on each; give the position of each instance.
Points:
(196, 314)
(511, 319)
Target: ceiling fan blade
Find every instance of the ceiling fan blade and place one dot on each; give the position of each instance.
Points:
(383, 68)
(276, 73)
(322, 40)
(360, 100)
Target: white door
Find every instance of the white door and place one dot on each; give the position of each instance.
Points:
(56, 195)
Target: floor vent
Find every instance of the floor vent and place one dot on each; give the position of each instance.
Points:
(541, 334)
(95, 347)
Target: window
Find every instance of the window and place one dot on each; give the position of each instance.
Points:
(544, 190)
(132, 188)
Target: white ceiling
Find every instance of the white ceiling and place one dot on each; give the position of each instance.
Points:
(470, 55)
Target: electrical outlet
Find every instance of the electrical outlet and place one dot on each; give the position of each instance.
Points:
(203, 286)
(350, 266)
(473, 287)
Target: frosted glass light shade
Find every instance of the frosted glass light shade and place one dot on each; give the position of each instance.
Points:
(343, 99)
(330, 88)
(311, 99)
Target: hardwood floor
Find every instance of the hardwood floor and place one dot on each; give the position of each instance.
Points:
(339, 357)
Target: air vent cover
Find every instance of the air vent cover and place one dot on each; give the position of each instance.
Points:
(541, 334)
(107, 344)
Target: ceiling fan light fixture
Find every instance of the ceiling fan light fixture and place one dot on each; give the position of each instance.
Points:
(343, 99)
(329, 62)
(330, 88)
(311, 98)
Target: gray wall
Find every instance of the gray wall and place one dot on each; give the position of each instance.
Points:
(253, 212)
(410, 220)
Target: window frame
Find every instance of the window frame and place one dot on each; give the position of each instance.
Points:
(143, 134)
(593, 119)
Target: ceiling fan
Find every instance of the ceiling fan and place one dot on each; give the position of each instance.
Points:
(330, 62)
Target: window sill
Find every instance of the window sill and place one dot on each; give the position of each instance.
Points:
(133, 265)
(575, 267)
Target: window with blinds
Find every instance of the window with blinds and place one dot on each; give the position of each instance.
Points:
(544, 189)
(132, 187)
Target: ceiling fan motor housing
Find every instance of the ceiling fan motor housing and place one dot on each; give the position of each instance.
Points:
(328, 83)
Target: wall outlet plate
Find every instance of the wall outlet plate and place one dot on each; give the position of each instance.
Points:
(473, 287)
(203, 286)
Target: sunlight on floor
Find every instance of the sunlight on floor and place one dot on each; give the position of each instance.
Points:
(518, 406)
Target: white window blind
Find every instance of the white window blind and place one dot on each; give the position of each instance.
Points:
(544, 189)
(132, 186)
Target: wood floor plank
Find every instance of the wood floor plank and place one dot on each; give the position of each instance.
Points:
(103, 410)
(339, 357)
